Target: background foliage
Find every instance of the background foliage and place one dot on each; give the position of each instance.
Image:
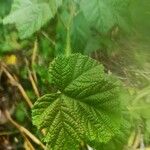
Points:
(114, 32)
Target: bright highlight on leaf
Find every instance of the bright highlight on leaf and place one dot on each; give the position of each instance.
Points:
(30, 15)
(85, 107)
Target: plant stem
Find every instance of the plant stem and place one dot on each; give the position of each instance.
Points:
(68, 40)
(33, 84)
(68, 44)
(24, 131)
(83, 146)
(32, 80)
(48, 38)
(16, 83)
(33, 60)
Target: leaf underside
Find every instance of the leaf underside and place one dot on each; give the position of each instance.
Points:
(85, 108)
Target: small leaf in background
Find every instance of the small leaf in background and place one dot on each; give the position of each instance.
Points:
(29, 16)
(104, 14)
(5, 6)
(80, 32)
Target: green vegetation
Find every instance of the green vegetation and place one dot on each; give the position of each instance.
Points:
(75, 74)
(84, 107)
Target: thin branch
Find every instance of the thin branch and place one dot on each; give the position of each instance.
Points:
(25, 95)
(16, 83)
(50, 40)
(28, 142)
(33, 59)
(137, 140)
(131, 139)
(24, 130)
(7, 133)
(7, 114)
(34, 52)
(33, 84)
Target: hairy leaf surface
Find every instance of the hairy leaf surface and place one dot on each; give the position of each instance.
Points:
(85, 108)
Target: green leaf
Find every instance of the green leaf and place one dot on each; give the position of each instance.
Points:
(104, 14)
(80, 32)
(85, 108)
(54, 5)
(29, 16)
(5, 6)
